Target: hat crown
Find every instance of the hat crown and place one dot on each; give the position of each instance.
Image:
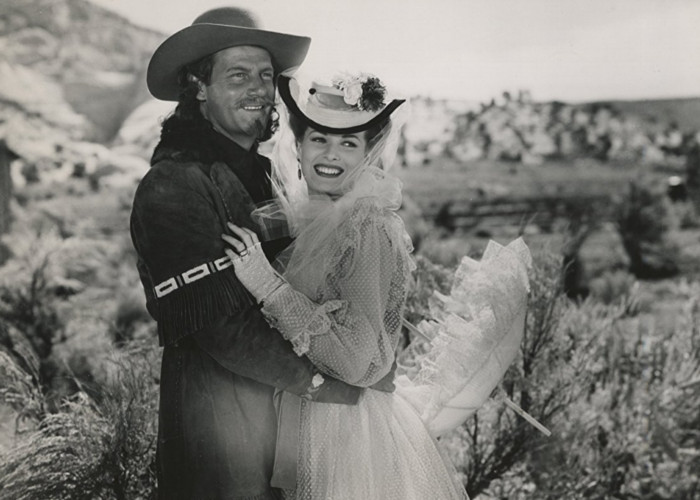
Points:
(231, 16)
(328, 97)
(331, 109)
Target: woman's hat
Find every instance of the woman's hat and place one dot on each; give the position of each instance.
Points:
(215, 30)
(351, 104)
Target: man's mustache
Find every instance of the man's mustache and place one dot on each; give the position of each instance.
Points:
(261, 101)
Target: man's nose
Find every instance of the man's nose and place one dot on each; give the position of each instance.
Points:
(257, 86)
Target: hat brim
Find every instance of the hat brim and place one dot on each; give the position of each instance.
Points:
(199, 40)
(334, 122)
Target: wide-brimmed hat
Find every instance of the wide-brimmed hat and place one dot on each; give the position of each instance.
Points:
(215, 30)
(351, 104)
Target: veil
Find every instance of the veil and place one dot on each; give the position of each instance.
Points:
(291, 209)
(313, 220)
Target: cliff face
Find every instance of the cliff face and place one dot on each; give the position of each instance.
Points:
(71, 67)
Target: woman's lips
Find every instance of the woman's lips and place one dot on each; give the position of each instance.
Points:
(327, 170)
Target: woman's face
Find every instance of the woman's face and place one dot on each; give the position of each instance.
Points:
(328, 159)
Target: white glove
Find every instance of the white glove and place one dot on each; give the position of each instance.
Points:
(251, 266)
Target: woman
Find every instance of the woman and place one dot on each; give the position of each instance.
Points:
(340, 296)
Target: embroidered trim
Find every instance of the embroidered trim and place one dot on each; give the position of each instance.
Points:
(191, 275)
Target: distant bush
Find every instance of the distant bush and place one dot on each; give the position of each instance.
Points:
(445, 250)
(614, 287)
(416, 225)
(427, 277)
(59, 289)
(686, 214)
(28, 302)
(129, 316)
(644, 218)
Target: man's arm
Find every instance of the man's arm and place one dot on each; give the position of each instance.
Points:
(246, 345)
(175, 227)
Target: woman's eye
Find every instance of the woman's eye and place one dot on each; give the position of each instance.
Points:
(318, 138)
(350, 144)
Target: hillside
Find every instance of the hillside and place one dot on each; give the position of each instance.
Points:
(684, 112)
(73, 65)
(73, 71)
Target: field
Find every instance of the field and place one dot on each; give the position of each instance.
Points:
(612, 371)
(660, 312)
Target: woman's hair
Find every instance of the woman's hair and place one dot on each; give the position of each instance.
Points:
(372, 135)
(187, 113)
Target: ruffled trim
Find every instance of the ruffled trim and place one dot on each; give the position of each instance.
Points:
(199, 304)
(469, 326)
(319, 323)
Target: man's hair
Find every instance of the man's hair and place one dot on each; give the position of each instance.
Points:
(187, 114)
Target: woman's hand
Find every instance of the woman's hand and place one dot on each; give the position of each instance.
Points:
(249, 261)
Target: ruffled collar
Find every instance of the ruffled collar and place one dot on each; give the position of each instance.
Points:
(370, 185)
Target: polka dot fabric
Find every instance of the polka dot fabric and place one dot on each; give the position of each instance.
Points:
(378, 449)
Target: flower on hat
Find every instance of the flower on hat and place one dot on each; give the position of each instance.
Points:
(363, 90)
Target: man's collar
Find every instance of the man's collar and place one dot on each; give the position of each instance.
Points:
(231, 146)
(197, 141)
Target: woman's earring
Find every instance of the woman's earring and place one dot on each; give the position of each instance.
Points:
(299, 168)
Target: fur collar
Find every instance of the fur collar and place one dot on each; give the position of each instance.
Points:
(190, 141)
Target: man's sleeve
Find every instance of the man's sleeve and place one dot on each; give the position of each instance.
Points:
(175, 227)
(246, 345)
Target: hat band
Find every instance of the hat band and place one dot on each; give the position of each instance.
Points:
(337, 118)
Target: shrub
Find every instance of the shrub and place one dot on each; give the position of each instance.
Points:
(644, 219)
(100, 447)
(633, 434)
(540, 381)
(618, 387)
(614, 287)
(444, 250)
(686, 214)
(27, 301)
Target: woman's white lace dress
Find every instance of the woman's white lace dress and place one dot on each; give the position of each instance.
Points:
(349, 272)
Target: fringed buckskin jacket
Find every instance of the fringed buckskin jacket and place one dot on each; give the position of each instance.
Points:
(221, 360)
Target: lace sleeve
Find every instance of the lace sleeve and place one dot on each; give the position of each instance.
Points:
(352, 332)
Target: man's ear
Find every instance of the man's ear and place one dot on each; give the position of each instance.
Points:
(201, 88)
(201, 92)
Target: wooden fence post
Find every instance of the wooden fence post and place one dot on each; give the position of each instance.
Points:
(7, 156)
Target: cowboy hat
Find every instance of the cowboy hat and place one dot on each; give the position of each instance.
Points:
(347, 107)
(215, 30)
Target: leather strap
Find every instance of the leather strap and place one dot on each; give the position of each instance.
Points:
(284, 472)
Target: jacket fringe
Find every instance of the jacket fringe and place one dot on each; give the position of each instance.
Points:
(197, 305)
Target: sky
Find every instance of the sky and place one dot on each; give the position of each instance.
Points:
(570, 50)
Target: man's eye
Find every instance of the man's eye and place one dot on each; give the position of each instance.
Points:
(268, 75)
(238, 76)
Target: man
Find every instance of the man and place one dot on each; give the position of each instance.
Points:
(221, 361)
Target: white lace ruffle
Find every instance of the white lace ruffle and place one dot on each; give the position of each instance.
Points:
(300, 328)
(475, 330)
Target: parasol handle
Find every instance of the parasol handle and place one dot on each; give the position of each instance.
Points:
(508, 402)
